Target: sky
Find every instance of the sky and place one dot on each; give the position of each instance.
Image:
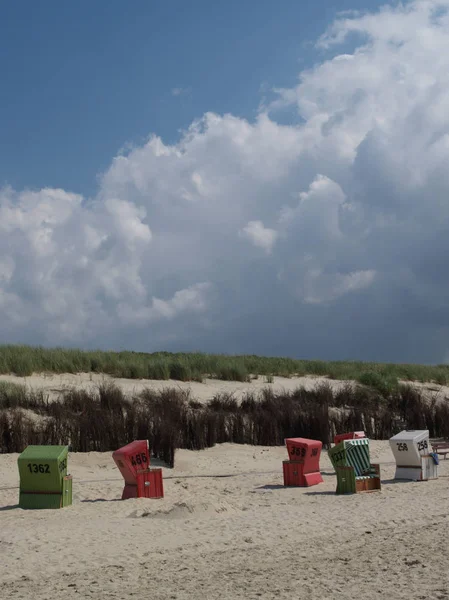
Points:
(235, 178)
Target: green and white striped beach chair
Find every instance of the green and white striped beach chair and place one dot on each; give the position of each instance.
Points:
(355, 473)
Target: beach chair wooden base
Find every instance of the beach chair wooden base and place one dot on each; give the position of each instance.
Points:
(294, 475)
(349, 483)
(427, 470)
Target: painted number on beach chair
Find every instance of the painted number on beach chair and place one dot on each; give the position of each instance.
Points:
(298, 451)
(314, 451)
(62, 465)
(422, 445)
(338, 456)
(34, 468)
(138, 459)
(402, 446)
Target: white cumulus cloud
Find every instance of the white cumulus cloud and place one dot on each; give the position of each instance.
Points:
(260, 236)
(349, 211)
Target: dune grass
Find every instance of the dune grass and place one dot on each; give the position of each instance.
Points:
(107, 419)
(25, 360)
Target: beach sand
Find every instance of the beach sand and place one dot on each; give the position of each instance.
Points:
(227, 529)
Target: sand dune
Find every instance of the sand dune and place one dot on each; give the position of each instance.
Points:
(242, 536)
(54, 384)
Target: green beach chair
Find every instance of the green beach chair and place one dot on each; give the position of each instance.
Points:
(355, 473)
(44, 482)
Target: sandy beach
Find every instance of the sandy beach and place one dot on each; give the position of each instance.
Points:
(227, 528)
(248, 203)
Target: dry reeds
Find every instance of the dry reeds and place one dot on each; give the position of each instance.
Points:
(170, 419)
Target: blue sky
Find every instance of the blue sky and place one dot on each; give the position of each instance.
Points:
(82, 79)
(242, 177)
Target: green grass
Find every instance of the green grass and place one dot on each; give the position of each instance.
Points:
(25, 360)
(11, 394)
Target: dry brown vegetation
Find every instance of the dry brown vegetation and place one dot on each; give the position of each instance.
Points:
(170, 419)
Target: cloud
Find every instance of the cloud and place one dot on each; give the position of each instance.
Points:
(188, 300)
(180, 91)
(325, 238)
(320, 287)
(260, 236)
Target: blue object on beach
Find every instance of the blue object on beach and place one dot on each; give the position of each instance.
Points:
(436, 460)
